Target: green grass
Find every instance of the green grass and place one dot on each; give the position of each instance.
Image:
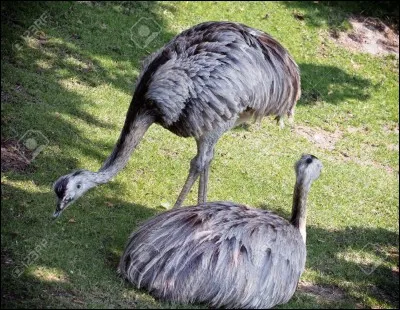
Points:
(73, 82)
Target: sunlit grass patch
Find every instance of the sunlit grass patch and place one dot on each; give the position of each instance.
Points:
(73, 82)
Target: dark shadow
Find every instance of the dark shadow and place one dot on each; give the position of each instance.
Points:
(73, 55)
(328, 254)
(67, 42)
(107, 224)
(336, 13)
(331, 84)
(243, 127)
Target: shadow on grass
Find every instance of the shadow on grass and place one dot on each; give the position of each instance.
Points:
(73, 51)
(43, 260)
(331, 84)
(93, 240)
(344, 256)
(78, 263)
(75, 45)
(335, 14)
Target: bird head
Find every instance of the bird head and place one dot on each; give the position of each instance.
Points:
(69, 188)
(308, 168)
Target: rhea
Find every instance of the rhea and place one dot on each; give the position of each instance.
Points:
(223, 254)
(205, 81)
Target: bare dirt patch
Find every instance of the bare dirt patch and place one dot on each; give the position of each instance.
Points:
(323, 139)
(327, 140)
(391, 129)
(346, 157)
(321, 293)
(11, 158)
(369, 35)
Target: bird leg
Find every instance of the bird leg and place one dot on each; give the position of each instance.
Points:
(202, 194)
(192, 177)
(199, 166)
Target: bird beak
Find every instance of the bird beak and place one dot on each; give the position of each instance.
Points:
(59, 209)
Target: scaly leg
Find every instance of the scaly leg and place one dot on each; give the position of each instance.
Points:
(199, 165)
(202, 194)
(203, 184)
(192, 177)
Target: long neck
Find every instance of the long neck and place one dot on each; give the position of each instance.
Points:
(299, 209)
(136, 124)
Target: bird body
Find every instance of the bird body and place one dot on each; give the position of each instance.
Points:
(201, 84)
(219, 253)
(213, 73)
(223, 254)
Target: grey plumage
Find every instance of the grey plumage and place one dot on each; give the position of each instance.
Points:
(221, 253)
(202, 83)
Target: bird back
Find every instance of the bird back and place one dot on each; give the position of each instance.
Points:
(221, 254)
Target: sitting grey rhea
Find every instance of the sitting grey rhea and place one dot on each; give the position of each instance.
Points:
(205, 81)
(223, 254)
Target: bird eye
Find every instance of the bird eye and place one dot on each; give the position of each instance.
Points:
(309, 160)
(78, 186)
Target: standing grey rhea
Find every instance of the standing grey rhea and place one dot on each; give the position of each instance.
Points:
(202, 83)
(222, 253)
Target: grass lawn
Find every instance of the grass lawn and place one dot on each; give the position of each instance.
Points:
(69, 85)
